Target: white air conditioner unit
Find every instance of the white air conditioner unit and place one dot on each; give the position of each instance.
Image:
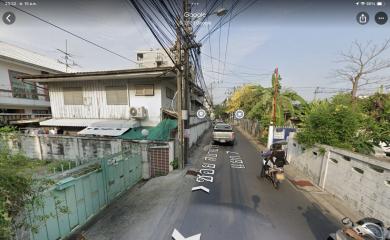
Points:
(139, 113)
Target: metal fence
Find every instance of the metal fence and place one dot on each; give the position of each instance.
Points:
(83, 195)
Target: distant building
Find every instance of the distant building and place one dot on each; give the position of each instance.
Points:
(23, 101)
(153, 58)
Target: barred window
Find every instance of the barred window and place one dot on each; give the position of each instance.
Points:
(170, 93)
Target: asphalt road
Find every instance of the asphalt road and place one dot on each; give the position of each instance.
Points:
(241, 205)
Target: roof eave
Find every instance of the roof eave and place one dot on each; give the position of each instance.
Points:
(42, 68)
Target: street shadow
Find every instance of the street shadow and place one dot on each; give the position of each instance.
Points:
(256, 201)
(320, 225)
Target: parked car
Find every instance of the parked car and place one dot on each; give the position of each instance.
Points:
(223, 133)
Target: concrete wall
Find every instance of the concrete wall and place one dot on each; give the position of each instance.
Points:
(198, 127)
(63, 147)
(362, 181)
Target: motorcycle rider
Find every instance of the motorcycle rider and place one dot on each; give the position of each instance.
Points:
(274, 156)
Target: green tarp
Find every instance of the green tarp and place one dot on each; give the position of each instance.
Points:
(161, 132)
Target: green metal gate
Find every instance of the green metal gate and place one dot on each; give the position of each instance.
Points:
(84, 196)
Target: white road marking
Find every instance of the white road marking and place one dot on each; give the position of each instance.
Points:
(201, 188)
(177, 236)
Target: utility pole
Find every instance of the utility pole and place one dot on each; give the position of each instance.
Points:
(316, 92)
(211, 91)
(273, 122)
(275, 95)
(186, 108)
(183, 46)
(179, 80)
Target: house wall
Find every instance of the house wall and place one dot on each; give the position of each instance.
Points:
(95, 103)
(6, 99)
(363, 182)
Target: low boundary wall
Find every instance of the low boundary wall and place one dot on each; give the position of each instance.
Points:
(363, 182)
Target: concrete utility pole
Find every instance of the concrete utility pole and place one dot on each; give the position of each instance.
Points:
(275, 95)
(186, 100)
(179, 80)
(183, 46)
(273, 123)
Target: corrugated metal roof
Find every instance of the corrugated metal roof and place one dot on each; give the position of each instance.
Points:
(113, 132)
(68, 122)
(163, 71)
(88, 122)
(11, 52)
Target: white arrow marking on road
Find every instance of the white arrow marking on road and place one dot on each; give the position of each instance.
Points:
(201, 188)
(227, 152)
(177, 236)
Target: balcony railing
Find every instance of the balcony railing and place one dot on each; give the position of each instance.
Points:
(23, 94)
(18, 118)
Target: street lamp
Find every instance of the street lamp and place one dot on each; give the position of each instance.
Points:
(221, 12)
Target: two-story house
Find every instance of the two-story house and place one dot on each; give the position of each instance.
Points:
(22, 100)
(109, 103)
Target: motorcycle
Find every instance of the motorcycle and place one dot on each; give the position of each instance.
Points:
(273, 162)
(364, 229)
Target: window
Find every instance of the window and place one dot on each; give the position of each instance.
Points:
(22, 89)
(73, 96)
(170, 93)
(116, 95)
(144, 90)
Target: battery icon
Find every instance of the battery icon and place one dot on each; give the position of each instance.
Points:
(379, 3)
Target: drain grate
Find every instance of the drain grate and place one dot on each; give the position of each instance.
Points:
(192, 172)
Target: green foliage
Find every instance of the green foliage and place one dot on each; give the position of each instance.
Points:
(256, 101)
(7, 129)
(220, 111)
(19, 192)
(342, 124)
(175, 163)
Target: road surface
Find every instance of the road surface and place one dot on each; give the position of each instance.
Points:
(239, 206)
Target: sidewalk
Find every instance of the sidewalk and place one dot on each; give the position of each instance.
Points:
(327, 202)
(150, 209)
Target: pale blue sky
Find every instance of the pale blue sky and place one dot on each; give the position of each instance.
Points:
(302, 39)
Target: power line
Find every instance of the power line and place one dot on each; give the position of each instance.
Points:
(71, 33)
(230, 63)
(239, 12)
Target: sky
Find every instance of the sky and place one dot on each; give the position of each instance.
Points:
(302, 38)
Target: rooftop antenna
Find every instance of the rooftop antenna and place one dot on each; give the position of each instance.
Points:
(66, 59)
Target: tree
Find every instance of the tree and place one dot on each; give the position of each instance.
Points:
(256, 101)
(337, 123)
(362, 63)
